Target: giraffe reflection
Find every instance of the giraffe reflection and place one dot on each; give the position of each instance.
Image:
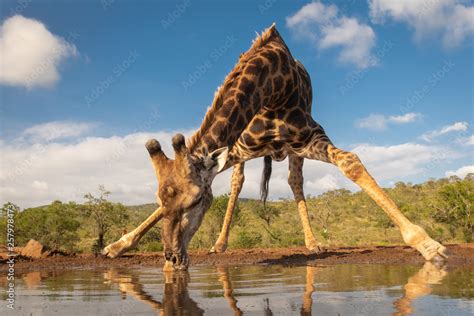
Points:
(419, 285)
(306, 308)
(176, 299)
(223, 273)
(224, 278)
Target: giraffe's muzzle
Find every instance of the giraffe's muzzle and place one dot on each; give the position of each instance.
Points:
(176, 262)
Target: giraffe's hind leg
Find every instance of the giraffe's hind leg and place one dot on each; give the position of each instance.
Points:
(295, 180)
(236, 186)
(351, 166)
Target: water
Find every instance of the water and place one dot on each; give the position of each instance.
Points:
(251, 290)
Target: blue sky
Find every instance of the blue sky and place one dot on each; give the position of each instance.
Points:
(386, 82)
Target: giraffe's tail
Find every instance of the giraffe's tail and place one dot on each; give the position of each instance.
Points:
(267, 172)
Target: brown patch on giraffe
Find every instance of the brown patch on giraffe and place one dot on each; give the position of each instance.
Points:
(257, 126)
(240, 122)
(277, 83)
(268, 88)
(263, 75)
(296, 118)
(248, 140)
(256, 99)
(246, 86)
(252, 70)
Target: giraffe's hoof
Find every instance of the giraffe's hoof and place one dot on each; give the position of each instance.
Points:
(218, 248)
(116, 249)
(432, 250)
(111, 251)
(316, 248)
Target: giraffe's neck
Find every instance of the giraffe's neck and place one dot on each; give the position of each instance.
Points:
(250, 85)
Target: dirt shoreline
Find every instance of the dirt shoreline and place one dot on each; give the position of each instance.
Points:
(460, 255)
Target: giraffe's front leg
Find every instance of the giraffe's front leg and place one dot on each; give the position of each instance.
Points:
(236, 186)
(413, 235)
(130, 240)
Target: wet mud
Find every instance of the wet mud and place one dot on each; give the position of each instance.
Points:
(459, 255)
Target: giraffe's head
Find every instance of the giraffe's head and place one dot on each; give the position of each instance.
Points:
(184, 194)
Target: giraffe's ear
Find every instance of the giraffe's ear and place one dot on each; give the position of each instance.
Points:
(217, 159)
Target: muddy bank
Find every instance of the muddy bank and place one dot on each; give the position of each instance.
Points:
(460, 255)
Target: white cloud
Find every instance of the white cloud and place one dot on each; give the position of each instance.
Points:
(30, 53)
(39, 185)
(56, 130)
(470, 140)
(406, 118)
(466, 141)
(456, 127)
(327, 182)
(327, 28)
(41, 172)
(450, 20)
(380, 122)
(376, 122)
(404, 160)
(461, 172)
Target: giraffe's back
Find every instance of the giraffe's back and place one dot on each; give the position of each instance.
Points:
(283, 126)
(263, 107)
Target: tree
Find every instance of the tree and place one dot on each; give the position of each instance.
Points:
(62, 225)
(454, 206)
(105, 215)
(9, 207)
(8, 214)
(218, 209)
(328, 208)
(54, 225)
(469, 177)
(217, 213)
(213, 221)
(267, 213)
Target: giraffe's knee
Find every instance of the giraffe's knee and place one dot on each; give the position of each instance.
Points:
(295, 179)
(352, 167)
(296, 184)
(348, 162)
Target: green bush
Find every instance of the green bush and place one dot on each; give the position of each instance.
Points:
(55, 226)
(152, 246)
(246, 239)
(455, 207)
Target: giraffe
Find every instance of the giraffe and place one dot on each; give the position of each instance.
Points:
(263, 108)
